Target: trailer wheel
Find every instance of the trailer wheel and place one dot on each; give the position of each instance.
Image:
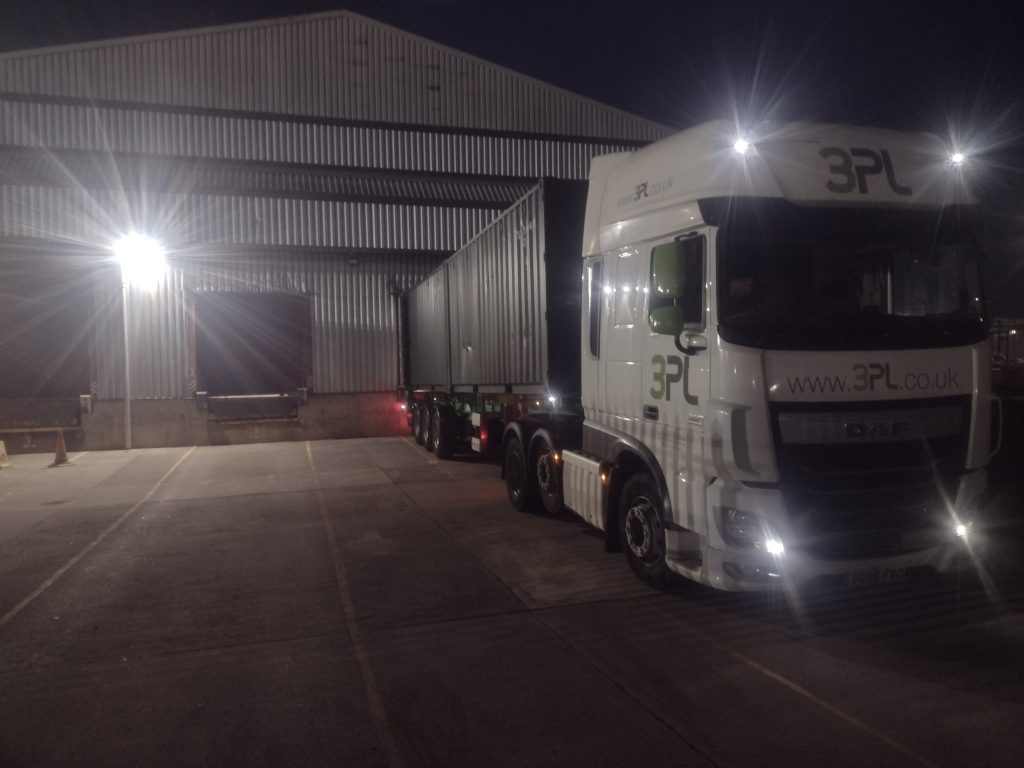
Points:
(419, 423)
(549, 477)
(642, 531)
(517, 479)
(417, 433)
(441, 437)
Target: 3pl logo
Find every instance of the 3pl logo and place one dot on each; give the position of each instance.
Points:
(866, 375)
(852, 169)
(871, 376)
(663, 379)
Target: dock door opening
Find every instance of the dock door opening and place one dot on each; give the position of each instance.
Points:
(252, 343)
(44, 331)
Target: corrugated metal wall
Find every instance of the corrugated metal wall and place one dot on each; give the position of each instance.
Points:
(278, 112)
(106, 129)
(334, 65)
(355, 347)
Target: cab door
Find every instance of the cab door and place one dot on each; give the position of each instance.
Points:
(677, 370)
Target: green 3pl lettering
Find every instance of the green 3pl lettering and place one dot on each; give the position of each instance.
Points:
(667, 371)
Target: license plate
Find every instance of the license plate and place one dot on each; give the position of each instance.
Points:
(876, 576)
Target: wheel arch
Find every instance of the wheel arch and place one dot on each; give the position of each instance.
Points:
(542, 433)
(631, 458)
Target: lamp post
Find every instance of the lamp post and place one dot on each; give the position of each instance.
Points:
(142, 263)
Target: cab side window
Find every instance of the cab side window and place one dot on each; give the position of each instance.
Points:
(677, 279)
(595, 290)
(625, 289)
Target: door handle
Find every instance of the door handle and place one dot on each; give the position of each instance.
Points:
(651, 412)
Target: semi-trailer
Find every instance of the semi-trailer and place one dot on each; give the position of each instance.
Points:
(750, 360)
(493, 336)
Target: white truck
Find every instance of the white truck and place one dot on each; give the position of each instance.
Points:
(784, 361)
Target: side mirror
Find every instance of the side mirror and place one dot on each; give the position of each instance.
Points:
(667, 320)
(667, 271)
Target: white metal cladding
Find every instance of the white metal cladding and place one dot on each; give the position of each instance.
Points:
(108, 129)
(333, 65)
(158, 328)
(355, 343)
(501, 269)
(428, 332)
(98, 217)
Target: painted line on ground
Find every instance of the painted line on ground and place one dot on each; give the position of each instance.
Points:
(842, 715)
(799, 690)
(420, 450)
(7, 617)
(780, 679)
(374, 700)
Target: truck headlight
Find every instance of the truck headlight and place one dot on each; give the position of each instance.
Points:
(746, 529)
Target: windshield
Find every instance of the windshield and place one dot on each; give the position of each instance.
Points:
(821, 278)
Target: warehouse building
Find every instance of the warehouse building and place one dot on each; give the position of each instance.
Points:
(298, 174)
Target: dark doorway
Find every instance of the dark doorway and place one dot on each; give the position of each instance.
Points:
(252, 343)
(44, 330)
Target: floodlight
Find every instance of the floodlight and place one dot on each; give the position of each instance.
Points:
(141, 259)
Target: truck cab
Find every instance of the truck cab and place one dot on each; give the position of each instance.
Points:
(785, 358)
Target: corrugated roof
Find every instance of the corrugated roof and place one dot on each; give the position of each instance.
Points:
(335, 65)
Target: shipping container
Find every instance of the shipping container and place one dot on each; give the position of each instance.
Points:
(494, 331)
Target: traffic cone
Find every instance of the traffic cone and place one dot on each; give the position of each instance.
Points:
(61, 457)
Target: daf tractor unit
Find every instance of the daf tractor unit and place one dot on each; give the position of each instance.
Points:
(781, 372)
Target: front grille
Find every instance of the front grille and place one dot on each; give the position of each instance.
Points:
(855, 499)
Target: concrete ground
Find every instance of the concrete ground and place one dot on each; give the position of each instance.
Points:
(358, 603)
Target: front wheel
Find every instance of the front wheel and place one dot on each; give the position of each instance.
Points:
(642, 531)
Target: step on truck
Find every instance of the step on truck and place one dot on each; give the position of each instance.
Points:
(782, 358)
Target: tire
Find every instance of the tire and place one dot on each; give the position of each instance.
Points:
(441, 429)
(423, 422)
(417, 429)
(521, 492)
(428, 428)
(548, 476)
(642, 532)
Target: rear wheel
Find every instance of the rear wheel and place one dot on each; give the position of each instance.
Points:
(417, 426)
(642, 531)
(517, 479)
(548, 475)
(442, 427)
(425, 427)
